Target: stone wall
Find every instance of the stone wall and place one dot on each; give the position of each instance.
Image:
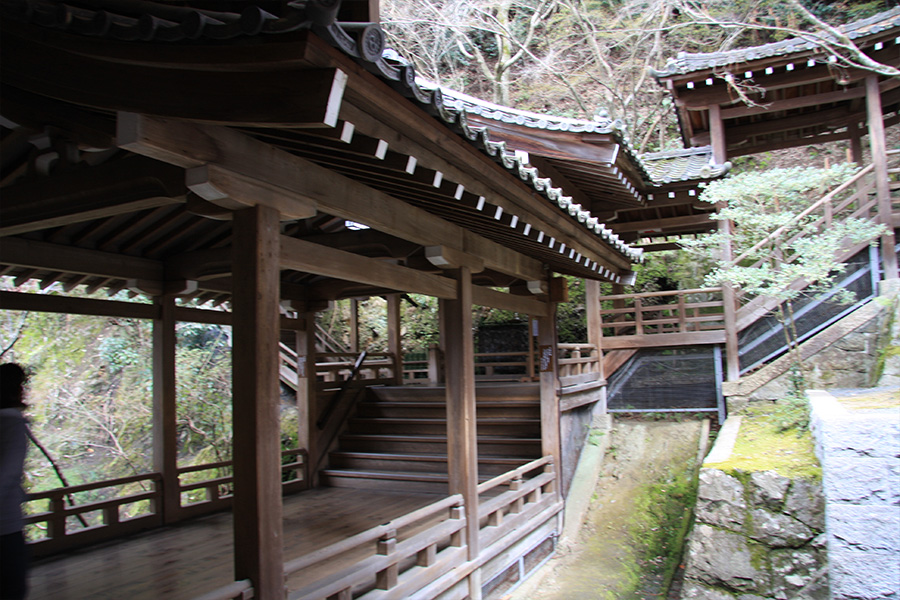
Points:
(757, 536)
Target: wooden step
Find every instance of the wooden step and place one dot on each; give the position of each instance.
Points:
(419, 463)
(414, 393)
(527, 448)
(382, 480)
(517, 428)
(438, 410)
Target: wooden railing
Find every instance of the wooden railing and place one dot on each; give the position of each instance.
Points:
(854, 198)
(395, 559)
(509, 501)
(684, 316)
(65, 522)
(500, 366)
(578, 364)
(65, 525)
(219, 491)
(335, 367)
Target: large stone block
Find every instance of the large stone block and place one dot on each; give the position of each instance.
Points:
(723, 558)
(778, 530)
(768, 488)
(719, 486)
(806, 503)
(796, 570)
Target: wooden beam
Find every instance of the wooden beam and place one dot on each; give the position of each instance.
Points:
(804, 101)
(192, 145)
(482, 296)
(330, 262)
(258, 542)
(119, 187)
(671, 223)
(77, 306)
(42, 255)
(663, 339)
(283, 98)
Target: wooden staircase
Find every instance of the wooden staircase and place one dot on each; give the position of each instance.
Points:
(397, 439)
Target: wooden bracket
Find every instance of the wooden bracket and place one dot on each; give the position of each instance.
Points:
(450, 258)
(177, 287)
(233, 191)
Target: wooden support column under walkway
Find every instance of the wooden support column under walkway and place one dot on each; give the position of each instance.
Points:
(258, 543)
(165, 442)
(879, 159)
(462, 441)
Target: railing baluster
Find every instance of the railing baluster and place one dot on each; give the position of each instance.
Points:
(387, 545)
(56, 524)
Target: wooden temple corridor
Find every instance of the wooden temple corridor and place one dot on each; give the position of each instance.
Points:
(193, 558)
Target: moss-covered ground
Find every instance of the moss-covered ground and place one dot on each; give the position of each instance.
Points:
(771, 440)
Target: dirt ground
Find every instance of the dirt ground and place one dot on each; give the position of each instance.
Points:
(602, 563)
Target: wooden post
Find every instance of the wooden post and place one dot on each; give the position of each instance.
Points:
(395, 339)
(354, 326)
(547, 345)
(882, 186)
(165, 441)
(258, 544)
(729, 301)
(306, 393)
(594, 322)
(717, 134)
(856, 151)
(462, 443)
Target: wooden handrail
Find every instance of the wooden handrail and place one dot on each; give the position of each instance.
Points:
(518, 472)
(335, 400)
(229, 592)
(711, 290)
(370, 535)
(84, 487)
(824, 200)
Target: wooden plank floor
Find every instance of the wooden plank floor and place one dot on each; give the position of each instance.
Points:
(188, 560)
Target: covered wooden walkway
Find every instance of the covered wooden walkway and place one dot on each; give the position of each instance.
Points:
(195, 558)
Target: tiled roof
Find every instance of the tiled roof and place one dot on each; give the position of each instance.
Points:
(151, 20)
(683, 165)
(687, 62)
(656, 168)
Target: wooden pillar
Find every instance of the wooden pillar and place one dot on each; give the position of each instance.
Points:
(165, 441)
(258, 544)
(305, 341)
(717, 134)
(879, 160)
(594, 322)
(395, 338)
(462, 444)
(856, 150)
(729, 301)
(547, 351)
(354, 325)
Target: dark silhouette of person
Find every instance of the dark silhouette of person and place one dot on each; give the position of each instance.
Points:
(13, 445)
